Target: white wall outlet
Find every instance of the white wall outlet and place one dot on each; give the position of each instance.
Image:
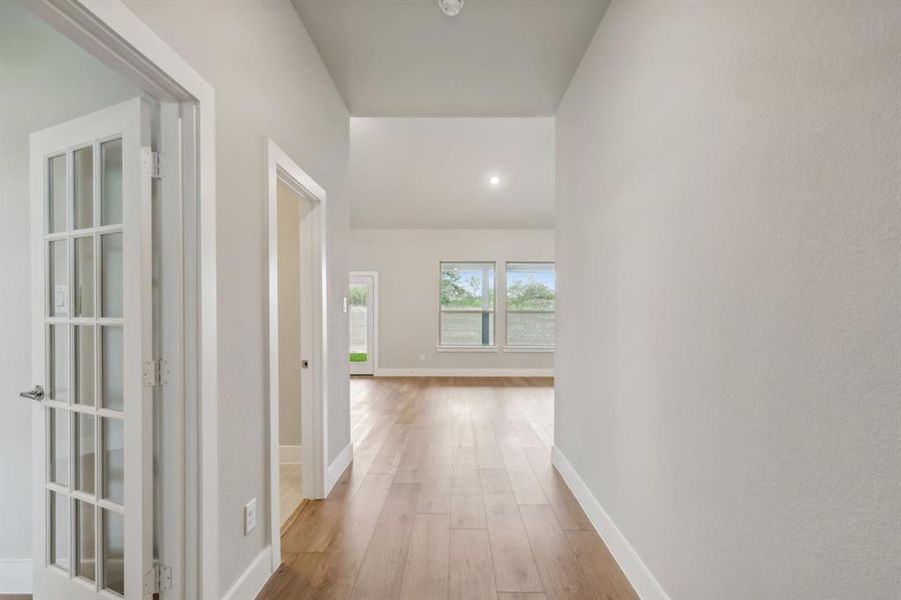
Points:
(422, 358)
(250, 516)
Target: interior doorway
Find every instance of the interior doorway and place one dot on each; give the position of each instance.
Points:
(293, 339)
(297, 367)
(363, 322)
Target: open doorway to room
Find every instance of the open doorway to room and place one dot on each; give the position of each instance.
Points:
(297, 367)
(293, 337)
(100, 164)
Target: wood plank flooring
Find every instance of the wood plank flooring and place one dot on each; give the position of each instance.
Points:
(451, 496)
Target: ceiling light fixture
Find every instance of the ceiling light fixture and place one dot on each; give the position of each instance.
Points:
(450, 7)
(494, 180)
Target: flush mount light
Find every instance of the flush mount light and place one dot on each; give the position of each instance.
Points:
(450, 7)
(494, 180)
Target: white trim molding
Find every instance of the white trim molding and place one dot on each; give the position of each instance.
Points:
(15, 576)
(646, 585)
(543, 349)
(337, 468)
(253, 579)
(465, 373)
(466, 348)
(290, 454)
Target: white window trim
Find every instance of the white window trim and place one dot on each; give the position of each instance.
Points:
(546, 349)
(441, 348)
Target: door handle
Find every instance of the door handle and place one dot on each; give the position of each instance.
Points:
(36, 393)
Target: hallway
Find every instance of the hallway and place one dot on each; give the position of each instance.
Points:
(451, 495)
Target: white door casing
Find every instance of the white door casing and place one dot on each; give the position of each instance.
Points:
(91, 338)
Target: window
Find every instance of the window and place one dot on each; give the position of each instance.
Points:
(467, 304)
(531, 291)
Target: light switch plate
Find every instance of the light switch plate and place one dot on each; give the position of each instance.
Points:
(250, 516)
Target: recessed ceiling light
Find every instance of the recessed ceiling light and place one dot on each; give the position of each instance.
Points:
(494, 180)
(450, 7)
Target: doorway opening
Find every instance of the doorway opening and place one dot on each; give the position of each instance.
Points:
(118, 287)
(297, 342)
(363, 317)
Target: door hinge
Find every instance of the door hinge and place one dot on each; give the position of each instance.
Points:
(154, 373)
(158, 579)
(157, 165)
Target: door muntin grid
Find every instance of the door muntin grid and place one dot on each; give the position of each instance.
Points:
(84, 409)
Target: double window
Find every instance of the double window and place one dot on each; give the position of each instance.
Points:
(467, 304)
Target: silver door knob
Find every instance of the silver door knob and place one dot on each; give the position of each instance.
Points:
(36, 393)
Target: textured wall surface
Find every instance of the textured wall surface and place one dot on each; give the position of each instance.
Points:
(269, 82)
(729, 273)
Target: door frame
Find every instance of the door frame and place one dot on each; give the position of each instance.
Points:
(108, 30)
(374, 316)
(314, 411)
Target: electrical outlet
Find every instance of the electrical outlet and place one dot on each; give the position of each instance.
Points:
(422, 358)
(250, 516)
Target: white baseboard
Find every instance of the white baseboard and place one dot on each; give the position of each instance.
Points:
(337, 468)
(15, 576)
(646, 585)
(465, 373)
(253, 579)
(290, 454)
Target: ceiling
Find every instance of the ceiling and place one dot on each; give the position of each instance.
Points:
(433, 173)
(496, 58)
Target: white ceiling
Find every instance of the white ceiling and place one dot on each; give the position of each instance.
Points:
(433, 173)
(496, 58)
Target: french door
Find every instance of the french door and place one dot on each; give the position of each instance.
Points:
(362, 324)
(92, 343)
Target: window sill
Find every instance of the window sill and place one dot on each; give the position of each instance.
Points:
(466, 348)
(547, 349)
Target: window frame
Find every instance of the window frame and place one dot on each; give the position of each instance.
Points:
(441, 346)
(508, 347)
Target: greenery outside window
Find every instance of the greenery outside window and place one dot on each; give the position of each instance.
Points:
(467, 304)
(531, 295)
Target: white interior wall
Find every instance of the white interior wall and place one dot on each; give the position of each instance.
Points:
(44, 79)
(729, 323)
(407, 261)
(289, 413)
(269, 82)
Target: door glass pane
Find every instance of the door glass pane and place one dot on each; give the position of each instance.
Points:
(84, 452)
(57, 279)
(59, 530)
(85, 561)
(113, 551)
(111, 368)
(83, 172)
(84, 277)
(359, 300)
(111, 274)
(59, 446)
(56, 194)
(113, 460)
(58, 363)
(111, 182)
(84, 365)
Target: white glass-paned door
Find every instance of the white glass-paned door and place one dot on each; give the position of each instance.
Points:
(361, 318)
(92, 327)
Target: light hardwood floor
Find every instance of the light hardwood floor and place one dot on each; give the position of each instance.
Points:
(451, 496)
